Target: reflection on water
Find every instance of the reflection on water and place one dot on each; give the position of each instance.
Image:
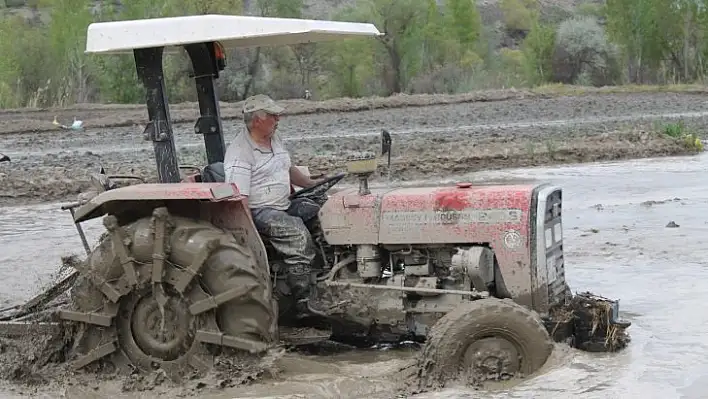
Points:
(622, 249)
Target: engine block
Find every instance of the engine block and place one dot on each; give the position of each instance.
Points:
(403, 290)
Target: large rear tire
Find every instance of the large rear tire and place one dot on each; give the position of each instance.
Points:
(487, 339)
(153, 292)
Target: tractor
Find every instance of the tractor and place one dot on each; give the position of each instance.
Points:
(474, 273)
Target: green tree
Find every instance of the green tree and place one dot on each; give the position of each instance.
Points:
(463, 22)
(200, 7)
(69, 20)
(117, 77)
(433, 37)
(349, 65)
(403, 23)
(246, 65)
(281, 8)
(25, 65)
(651, 32)
(451, 37)
(538, 47)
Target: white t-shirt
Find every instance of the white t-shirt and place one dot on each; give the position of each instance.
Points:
(260, 173)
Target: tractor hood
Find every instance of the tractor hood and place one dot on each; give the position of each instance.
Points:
(464, 213)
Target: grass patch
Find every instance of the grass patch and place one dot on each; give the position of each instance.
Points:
(679, 131)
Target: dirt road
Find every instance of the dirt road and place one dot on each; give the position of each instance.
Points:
(617, 243)
(489, 131)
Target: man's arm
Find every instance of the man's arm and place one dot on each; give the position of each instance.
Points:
(299, 179)
(239, 172)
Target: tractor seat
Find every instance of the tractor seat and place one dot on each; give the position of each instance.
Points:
(214, 173)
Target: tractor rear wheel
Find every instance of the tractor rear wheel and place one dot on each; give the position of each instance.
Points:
(153, 292)
(487, 339)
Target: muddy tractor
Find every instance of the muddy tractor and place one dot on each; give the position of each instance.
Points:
(474, 273)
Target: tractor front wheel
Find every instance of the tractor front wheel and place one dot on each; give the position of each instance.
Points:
(487, 339)
(155, 291)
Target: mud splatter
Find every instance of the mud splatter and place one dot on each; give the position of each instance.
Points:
(39, 360)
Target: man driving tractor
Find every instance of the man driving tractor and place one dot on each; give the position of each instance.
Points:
(258, 163)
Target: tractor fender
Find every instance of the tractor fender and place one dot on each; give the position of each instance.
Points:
(220, 204)
(104, 202)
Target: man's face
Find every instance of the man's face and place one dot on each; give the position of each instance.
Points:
(268, 123)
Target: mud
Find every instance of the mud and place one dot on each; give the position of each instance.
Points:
(617, 243)
(94, 116)
(37, 363)
(429, 141)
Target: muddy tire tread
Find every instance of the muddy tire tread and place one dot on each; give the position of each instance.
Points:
(449, 337)
(252, 316)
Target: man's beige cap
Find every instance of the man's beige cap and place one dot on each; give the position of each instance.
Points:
(261, 102)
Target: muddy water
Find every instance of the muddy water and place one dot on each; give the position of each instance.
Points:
(617, 244)
(33, 241)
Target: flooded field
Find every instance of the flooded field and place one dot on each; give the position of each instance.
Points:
(617, 214)
(616, 242)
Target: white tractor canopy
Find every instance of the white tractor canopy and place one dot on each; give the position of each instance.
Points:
(229, 30)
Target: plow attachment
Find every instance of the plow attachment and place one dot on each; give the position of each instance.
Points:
(39, 315)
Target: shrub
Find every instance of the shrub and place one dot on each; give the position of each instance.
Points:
(679, 131)
(443, 79)
(518, 15)
(582, 51)
(512, 60)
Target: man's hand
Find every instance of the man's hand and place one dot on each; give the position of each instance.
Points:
(297, 178)
(317, 181)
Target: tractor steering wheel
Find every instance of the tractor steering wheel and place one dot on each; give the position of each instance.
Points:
(328, 182)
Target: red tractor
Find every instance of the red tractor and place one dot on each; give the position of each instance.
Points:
(476, 273)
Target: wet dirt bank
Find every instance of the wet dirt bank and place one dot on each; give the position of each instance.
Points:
(118, 115)
(28, 120)
(617, 243)
(62, 177)
(429, 141)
